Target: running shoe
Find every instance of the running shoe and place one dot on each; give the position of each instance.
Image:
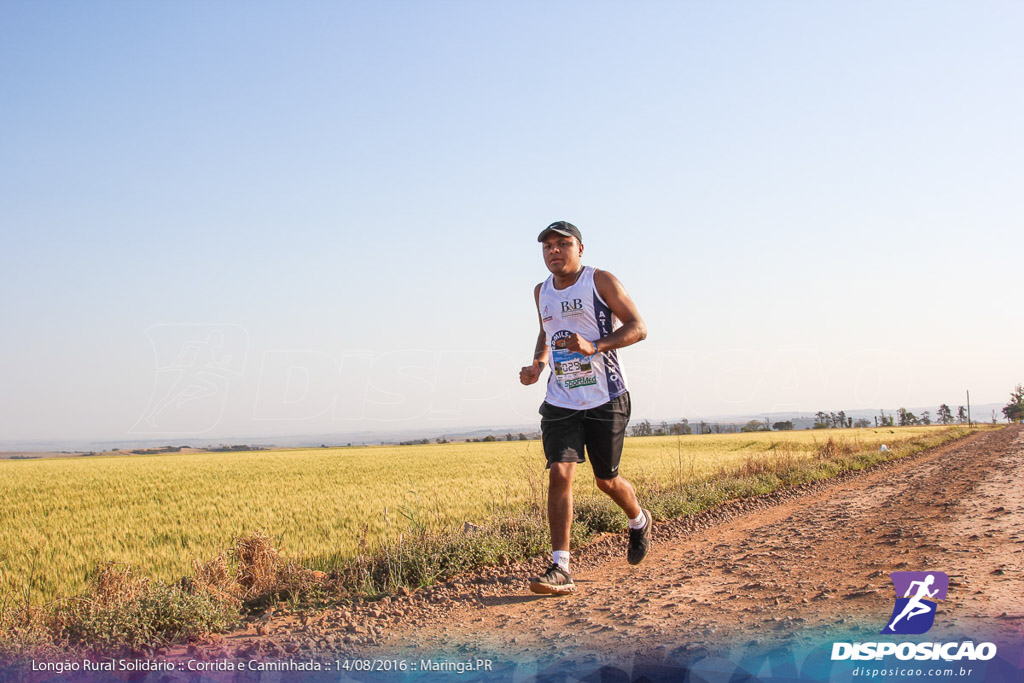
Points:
(640, 541)
(555, 581)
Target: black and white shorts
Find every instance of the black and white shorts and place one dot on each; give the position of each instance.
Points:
(601, 430)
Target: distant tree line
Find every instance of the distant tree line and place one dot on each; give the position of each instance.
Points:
(508, 437)
(490, 438)
(943, 416)
(683, 427)
(1014, 410)
(822, 420)
(154, 451)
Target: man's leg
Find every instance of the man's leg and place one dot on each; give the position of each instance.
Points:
(621, 491)
(557, 579)
(560, 503)
(605, 433)
(640, 520)
(563, 436)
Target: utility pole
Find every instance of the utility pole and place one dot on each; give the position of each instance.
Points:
(969, 409)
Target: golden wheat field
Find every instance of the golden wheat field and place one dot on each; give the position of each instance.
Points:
(60, 518)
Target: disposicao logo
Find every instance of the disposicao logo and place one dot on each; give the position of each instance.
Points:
(914, 612)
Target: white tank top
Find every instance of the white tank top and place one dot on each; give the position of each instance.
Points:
(577, 381)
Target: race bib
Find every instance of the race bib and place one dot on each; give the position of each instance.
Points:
(571, 369)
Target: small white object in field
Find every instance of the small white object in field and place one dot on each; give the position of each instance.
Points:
(884, 448)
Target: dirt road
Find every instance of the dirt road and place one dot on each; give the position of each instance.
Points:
(790, 569)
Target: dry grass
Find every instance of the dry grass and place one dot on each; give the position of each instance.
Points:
(123, 609)
(162, 513)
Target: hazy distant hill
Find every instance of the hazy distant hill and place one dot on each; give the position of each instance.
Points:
(801, 420)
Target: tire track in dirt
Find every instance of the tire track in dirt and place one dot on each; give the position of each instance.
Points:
(743, 577)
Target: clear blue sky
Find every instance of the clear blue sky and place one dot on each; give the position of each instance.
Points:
(275, 218)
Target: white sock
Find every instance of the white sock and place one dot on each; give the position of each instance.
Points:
(561, 558)
(639, 522)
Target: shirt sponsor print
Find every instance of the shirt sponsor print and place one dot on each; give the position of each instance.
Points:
(571, 369)
(572, 309)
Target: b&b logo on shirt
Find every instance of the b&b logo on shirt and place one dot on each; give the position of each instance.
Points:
(571, 309)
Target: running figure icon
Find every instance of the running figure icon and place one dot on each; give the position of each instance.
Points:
(914, 605)
(916, 602)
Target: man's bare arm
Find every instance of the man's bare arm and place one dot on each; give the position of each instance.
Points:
(530, 374)
(540, 351)
(614, 294)
(632, 330)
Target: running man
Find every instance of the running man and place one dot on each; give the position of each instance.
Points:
(585, 315)
(914, 606)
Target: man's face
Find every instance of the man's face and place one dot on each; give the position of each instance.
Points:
(562, 254)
